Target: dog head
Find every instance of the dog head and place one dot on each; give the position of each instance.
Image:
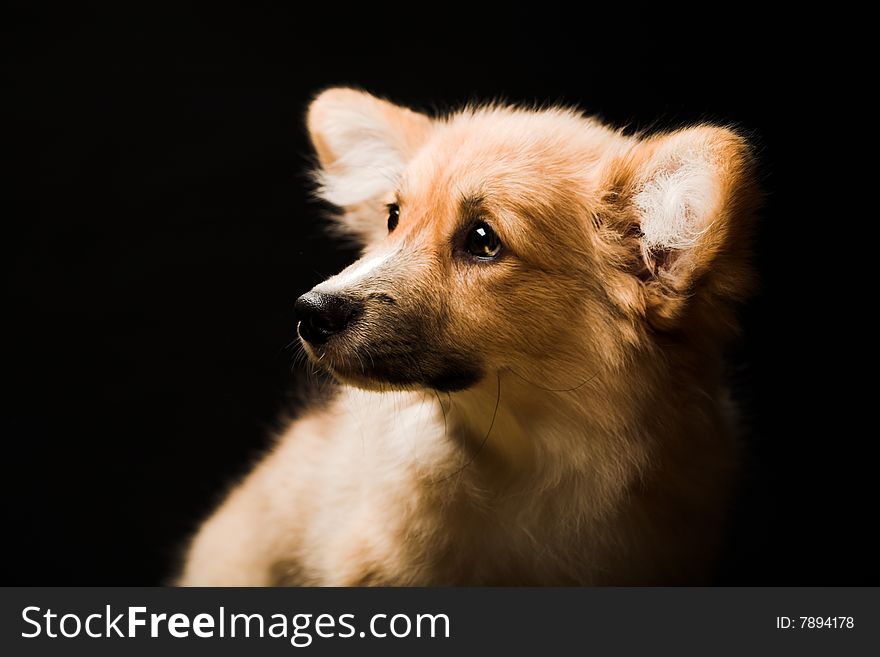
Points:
(499, 237)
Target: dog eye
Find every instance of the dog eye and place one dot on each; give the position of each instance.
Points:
(483, 242)
(393, 216)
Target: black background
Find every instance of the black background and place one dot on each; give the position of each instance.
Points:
(159, 227)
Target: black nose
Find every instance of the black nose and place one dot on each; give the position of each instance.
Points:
(321, 316)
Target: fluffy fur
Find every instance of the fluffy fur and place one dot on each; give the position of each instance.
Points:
(555, 416)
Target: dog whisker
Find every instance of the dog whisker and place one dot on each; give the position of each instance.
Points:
(485, 438)
(540, 387)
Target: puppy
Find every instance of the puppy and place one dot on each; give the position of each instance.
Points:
(529, 355)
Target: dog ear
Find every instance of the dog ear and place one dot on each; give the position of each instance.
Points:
(689, 200)
(363, 144)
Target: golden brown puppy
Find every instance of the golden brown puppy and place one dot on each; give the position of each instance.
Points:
(529, 352)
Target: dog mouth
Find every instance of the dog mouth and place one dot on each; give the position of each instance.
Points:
(399, 369)
(358, 370)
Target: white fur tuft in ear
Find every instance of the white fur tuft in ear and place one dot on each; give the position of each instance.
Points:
(690, 198)
(677, 200)
(369, 162)
(363, 144)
